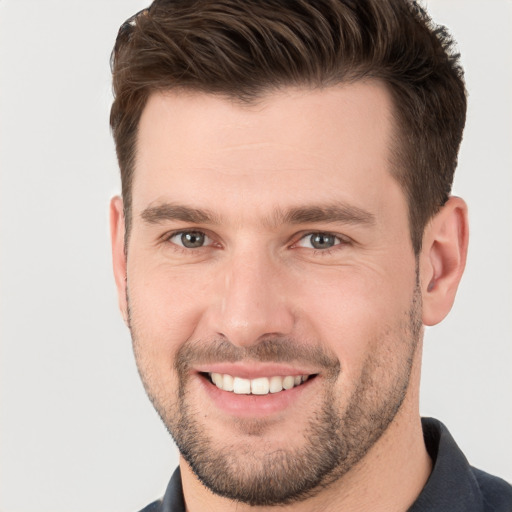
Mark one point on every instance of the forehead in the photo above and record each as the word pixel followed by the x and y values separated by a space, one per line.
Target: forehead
pixel 329 144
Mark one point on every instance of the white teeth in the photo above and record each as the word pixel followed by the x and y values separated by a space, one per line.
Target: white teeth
pixel 288 382
pixel 241 386
pixel 258 386
pixel 227 382
pixel 276 384
pixel 217 379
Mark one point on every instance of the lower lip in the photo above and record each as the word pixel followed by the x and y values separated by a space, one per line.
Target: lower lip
pixel 253 405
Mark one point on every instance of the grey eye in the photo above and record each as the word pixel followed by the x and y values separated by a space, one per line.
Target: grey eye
pixel 322 240
pixel 190 239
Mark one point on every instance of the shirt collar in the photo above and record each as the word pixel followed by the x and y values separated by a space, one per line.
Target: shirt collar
pixel 452 486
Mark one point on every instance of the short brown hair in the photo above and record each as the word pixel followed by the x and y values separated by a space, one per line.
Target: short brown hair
pixel 243 49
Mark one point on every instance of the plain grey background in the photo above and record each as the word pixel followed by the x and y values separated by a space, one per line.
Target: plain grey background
pixel 77 433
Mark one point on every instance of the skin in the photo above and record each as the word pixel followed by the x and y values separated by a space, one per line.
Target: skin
pixel 258 278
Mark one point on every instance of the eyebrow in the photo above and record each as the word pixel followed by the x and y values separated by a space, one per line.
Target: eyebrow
pixel 169 211
pixel 337 212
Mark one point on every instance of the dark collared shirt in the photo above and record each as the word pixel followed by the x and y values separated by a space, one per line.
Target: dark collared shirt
pixel 453 485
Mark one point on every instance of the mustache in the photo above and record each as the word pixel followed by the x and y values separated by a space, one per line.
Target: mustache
pixel 274 349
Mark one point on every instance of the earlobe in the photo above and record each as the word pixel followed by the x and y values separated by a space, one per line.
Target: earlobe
pixel 117 234
pixel 443 258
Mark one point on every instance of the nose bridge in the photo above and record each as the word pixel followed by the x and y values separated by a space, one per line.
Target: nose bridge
pixel 253 299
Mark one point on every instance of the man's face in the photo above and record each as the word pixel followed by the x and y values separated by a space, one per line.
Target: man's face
pixel 269 245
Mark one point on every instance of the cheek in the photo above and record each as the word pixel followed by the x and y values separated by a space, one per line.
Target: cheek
pixel 165 307
pixel 355 311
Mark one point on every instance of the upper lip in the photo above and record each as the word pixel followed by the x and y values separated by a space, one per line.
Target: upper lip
pixel 253 370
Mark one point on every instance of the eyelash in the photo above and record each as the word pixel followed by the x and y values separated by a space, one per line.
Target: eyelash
pixel 338 239
pixel 342 241
pixel 186 250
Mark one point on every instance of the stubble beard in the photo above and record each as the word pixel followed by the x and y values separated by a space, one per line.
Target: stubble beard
pixel 333 442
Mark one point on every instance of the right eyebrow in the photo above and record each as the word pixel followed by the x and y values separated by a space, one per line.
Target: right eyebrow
pixel 168 211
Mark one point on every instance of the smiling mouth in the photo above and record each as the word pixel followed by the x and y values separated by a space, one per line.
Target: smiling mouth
pixel 258 386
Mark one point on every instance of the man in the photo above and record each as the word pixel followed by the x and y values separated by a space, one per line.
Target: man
pixel 285 231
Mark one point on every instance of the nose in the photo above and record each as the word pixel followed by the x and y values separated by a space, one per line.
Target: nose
pixel 252 303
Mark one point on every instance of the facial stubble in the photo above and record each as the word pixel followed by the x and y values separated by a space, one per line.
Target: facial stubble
pixel 333 442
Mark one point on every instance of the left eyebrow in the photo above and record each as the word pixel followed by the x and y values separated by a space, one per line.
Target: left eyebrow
pixel 343 213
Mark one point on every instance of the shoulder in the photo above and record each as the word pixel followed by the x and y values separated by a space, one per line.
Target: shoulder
pixel 156 506
pixel 454 485
pixel 173 499
pixel 496 492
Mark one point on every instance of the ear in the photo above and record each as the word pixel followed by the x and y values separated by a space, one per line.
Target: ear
pixel 443 258
pixel 117 233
